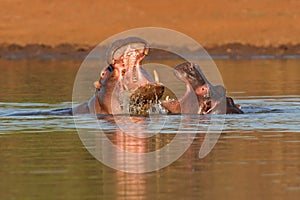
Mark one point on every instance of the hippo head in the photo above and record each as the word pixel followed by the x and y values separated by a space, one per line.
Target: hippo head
pixel 134 90
pixel 211 99
pixel 106 88
pixel 127 54
pixel 191 74
pixel 232 108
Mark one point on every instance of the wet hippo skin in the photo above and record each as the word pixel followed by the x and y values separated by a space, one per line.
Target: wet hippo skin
pixel 123 80
pixel 210 99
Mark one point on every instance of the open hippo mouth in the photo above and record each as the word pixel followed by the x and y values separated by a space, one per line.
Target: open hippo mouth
pixel 140 90
pixel 210 99
pixel 214 101
pixel 209 96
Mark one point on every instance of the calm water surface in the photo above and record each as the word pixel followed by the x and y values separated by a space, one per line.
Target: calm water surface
pixel 256 157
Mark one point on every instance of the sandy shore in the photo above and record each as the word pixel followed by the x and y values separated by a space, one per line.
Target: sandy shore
pixel 223 27
pixel 68 51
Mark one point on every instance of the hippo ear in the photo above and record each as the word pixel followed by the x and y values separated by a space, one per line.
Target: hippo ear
pixel 97 85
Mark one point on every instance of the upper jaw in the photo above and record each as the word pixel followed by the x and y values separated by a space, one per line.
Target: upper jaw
pixel 210 100
pixel 181 75
pixel 118 47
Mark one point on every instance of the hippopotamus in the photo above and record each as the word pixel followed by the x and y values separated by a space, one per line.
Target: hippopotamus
pixel 124 86
pixel 232 108
pixel 209 99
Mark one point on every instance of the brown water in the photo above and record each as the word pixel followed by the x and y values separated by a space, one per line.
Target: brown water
pixel 256 157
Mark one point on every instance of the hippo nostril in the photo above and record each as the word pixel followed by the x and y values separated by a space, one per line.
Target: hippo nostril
pixel 123 72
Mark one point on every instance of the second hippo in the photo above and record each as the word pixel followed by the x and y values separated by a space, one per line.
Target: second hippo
pixel 209 99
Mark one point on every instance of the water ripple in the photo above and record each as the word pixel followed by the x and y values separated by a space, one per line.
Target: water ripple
pixel 267 114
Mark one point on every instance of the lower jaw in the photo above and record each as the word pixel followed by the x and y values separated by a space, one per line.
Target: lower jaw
pixel 211 108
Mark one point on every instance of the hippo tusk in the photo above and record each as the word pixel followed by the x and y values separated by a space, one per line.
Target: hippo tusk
pixel 146 51
pixel 211 109
pixel 125 87
pixel 156 78
pixel 200 110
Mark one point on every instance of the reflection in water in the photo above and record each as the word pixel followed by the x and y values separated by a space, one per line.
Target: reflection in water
pixel 149 148
pixel 256 157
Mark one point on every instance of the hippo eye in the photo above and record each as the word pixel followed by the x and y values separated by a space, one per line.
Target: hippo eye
pixel 110 68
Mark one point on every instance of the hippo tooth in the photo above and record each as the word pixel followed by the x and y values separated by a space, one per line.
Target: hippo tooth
pixel 125 87
pixel 156 78
pixel 211 109
pixel 200 110
pixel 167 98
pixel 146 51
